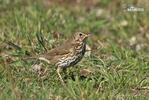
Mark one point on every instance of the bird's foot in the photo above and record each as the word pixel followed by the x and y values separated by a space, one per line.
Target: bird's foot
pixel 60 77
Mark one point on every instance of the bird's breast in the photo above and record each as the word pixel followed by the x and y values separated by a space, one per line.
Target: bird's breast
pixel 73 57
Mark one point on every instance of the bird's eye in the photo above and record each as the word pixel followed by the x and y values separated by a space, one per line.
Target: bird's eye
pixel 80 34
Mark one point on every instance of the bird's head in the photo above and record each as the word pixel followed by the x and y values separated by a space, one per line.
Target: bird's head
pixel 80 36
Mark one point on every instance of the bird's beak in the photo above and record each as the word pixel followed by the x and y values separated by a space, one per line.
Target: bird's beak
pixel 89 35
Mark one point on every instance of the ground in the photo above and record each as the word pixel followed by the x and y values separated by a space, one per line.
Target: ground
pixel 117 68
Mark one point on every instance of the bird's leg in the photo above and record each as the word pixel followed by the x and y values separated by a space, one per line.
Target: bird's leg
pixel 58 72
pixel 45 71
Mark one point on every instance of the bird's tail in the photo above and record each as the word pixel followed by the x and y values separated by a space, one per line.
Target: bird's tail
pixel 34 57
pixel 37 57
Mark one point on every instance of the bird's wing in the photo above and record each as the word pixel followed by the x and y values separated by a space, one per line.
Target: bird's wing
pixel 54 54
pixel 61 50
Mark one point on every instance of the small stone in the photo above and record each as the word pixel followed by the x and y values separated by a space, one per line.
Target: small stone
pixel 132 40
pixel 139 47
pixel 123 23
pixel 99 12
pixel 80 19
pixel 86 72
pixel 36 67
pixel 51 41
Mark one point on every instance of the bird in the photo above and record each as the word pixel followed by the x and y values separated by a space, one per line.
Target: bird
pixel 66 55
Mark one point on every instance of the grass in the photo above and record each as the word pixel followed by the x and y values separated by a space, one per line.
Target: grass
pixel 118 62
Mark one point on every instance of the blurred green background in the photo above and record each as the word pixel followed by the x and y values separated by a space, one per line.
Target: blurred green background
pixel 116 68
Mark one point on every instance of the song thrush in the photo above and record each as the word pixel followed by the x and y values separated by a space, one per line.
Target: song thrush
pixel 68 54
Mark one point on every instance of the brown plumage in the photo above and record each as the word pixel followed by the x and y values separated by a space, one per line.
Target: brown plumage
pixel 68 54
